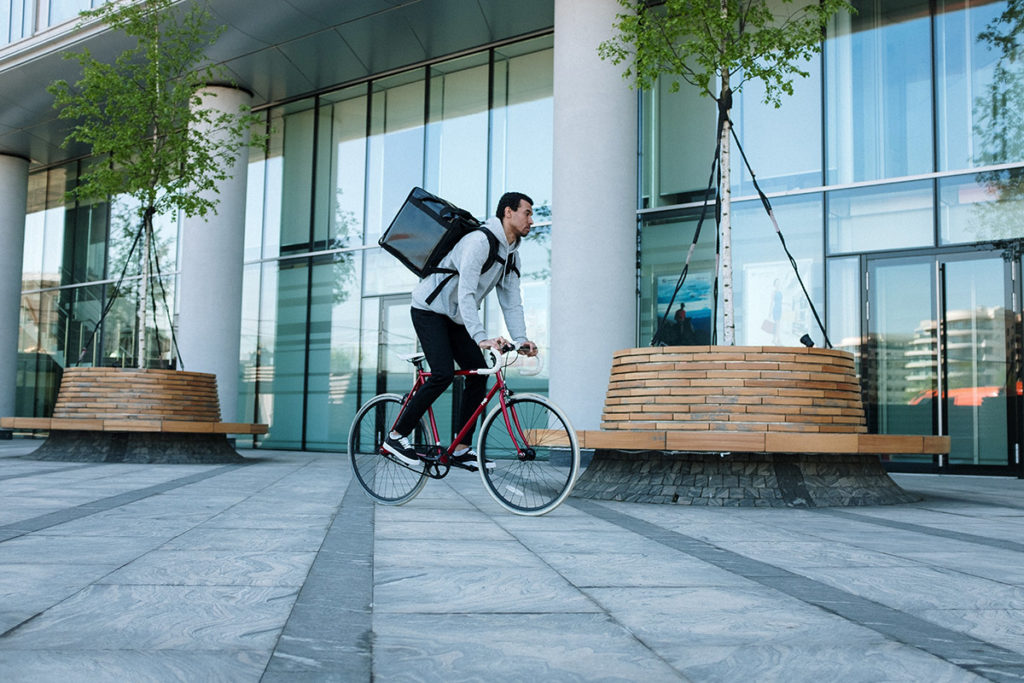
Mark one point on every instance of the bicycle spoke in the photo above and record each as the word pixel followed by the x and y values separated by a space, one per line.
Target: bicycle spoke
pixel 536 476
pixel 383 477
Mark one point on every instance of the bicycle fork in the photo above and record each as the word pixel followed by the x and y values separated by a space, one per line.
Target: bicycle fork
pixel 524 452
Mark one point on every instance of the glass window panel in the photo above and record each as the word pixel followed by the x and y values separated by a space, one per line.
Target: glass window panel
pixel 456 152
pixel 982 207
pixel 683 143
pixel 118 338
pixel 274 174
pixel 332 395
pixel 395 148
pixel 384 274
pixel 874 218
pixel 784 144
pixel 369 333
pixel 38 373
pixel 296 179
pixel 256 184
pixel 521 124
pixel 770 306
pixel 878 91
pixel 665 242
pixel 35 228
pixel 53 230
pixel 341 174
pixel 980 88
pixel 286 358
pixel 844 305
pixel 62 10
pixel 250 352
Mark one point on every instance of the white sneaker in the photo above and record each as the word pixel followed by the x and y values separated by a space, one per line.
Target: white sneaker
pixel 402 450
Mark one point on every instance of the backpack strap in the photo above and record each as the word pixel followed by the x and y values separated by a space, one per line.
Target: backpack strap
pixel 511 266
pixel 444 281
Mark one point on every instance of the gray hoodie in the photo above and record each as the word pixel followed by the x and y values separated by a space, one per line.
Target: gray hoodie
pixel 461 298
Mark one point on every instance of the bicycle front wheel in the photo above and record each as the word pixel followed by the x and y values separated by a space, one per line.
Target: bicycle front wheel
pixel 533 453
pixel 382 476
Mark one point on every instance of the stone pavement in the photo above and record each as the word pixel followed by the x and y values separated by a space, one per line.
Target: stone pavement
pixel 281 570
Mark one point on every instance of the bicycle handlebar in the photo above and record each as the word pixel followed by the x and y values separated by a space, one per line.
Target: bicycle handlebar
pixel 494 360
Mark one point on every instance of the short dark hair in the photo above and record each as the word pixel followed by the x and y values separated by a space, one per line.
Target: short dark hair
pixel 511 200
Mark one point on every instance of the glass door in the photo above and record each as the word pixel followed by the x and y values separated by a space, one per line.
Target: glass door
pixel 939 356
pixel 395 337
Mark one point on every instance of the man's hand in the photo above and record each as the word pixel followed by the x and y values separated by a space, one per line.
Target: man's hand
pixel 499 344
pixel 528 348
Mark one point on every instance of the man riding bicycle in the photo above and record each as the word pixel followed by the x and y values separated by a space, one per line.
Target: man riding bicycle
pixel 446 315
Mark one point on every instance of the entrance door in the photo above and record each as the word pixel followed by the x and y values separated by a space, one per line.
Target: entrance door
pixel 938 358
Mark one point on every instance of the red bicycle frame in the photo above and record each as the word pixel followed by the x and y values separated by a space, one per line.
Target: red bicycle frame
pixel 499 386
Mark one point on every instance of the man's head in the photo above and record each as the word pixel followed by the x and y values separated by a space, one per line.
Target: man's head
pixel 515 211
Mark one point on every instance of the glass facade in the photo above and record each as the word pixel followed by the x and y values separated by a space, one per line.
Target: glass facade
pixel 23 18
pixel 325 311
pixel 895 171
pixel 894 168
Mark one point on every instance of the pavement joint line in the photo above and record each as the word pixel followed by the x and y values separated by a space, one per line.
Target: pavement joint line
pixel 959 649
pixel 51 519
pixel 999 543
pixel 43 473
pixel 329 631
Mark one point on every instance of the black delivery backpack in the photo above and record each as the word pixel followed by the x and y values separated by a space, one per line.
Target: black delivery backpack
pixel 424 230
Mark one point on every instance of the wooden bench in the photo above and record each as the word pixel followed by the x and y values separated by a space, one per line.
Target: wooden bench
pixel 757 405
pixel 179 411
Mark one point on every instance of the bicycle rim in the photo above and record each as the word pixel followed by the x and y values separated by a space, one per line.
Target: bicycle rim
pixel 536 481
pixel 384 478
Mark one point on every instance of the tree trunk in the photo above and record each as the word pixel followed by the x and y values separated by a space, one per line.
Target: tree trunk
pixel 147 228
pixel 728 316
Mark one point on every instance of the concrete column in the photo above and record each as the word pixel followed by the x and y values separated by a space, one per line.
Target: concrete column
pixel 593 236
pixel 210 288
pixel 13 197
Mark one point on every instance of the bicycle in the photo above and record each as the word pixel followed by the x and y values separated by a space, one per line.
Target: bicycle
pixel 528 460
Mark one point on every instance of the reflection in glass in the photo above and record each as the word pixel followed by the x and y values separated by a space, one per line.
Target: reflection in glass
pixel 62 10
pixel 844 305
pixel 878 92
pixel 901 349
pixel 394 149
pixel 771 308
pixel 521 122
pixel 341 163
pixel 982 207
pixel 874 218
pixel 967 94
pixel 331 395
pixel 285 358
pixel 664 244
pixel 457 128
pixel 296 178
pixel 976 323
pixel 998 103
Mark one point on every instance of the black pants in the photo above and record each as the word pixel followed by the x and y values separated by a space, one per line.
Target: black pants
pixel 444 343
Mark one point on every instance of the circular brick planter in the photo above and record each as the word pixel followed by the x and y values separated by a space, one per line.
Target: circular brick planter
pixel 137 416
pixel 787 404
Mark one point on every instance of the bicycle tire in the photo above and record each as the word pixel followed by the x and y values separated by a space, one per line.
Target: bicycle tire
pixel 383 477
pixel 537 484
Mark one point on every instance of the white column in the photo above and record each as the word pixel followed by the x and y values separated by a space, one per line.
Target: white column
pixel 210 289
pixel 13 197
pixel 593 236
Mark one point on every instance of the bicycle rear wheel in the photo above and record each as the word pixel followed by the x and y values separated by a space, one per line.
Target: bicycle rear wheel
pixel 534 454
pixel 381 475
